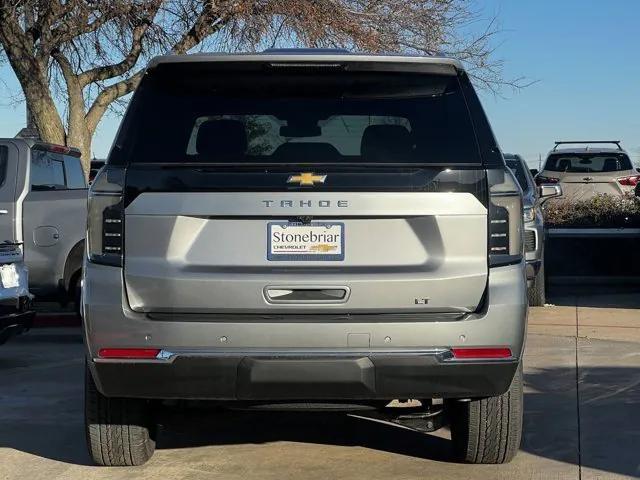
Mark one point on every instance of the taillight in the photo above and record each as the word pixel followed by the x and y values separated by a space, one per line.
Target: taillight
pixel 505 218
pixel 540 179
pixel 105 222
pixel 630 181
pixel 479 353
pixel 129 353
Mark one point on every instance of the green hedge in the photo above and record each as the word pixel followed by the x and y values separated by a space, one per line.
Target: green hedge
pixel 604 211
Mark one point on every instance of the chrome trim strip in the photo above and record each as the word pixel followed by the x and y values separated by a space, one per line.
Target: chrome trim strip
pixel 168 355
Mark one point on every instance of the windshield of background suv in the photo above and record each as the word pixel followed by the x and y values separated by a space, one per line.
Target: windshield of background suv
pixel 518 171
pixel 289 117
pixel 588 162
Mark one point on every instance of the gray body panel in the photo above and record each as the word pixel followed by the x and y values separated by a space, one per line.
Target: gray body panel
pixel 54 222
pixel 207 252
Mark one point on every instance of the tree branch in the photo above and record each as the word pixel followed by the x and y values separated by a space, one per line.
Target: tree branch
pixel 108 95
pixel 115 70
pixel 208 22
pixel 105 72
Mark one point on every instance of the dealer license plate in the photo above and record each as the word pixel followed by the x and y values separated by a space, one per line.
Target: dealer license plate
pixel 305 242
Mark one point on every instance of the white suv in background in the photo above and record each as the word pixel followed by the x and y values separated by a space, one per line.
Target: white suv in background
pixel 588 171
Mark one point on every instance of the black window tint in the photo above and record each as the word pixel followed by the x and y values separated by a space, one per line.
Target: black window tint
pixel 74 172
pixel 294 117
pixel 518 170
pixel 47 171
pixel 588 162
pixel 4 158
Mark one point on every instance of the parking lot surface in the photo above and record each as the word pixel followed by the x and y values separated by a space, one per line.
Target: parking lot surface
pixel 582 415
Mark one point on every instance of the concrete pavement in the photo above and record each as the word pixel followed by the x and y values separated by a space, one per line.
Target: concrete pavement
pixel 582 418
pixel 595 312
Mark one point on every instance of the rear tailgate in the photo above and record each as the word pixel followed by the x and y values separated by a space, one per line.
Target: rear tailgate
pixel 386 155
pixel 404 251
pixel 576 186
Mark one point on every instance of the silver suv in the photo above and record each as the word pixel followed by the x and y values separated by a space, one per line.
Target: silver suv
pixel 306 229
pixel 43 210
pixel 532 200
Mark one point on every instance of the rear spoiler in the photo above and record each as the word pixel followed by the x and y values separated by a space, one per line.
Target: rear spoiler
pixel 564 142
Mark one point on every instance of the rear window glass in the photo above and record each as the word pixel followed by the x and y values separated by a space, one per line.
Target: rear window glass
pixel 518 170
pixel 4 158
pixel 287 118
pixel 588 163
pixel 55 171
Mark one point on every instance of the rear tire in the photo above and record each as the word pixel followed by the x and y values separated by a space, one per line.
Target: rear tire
pixel 536 292
pixel 120 431
pixel 488 430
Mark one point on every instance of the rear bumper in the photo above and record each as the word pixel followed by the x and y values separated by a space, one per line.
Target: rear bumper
pixel 358 377
pixel 238 357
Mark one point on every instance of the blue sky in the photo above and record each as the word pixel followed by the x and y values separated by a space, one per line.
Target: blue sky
pixel 583 55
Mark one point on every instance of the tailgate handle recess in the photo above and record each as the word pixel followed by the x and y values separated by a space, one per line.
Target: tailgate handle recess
pixel 306 294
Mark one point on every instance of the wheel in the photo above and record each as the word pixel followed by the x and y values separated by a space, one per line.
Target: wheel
pixel 488 430
pixel 120 431
pixel 536 292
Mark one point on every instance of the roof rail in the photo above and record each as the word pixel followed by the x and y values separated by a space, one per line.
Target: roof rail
pixel 564 142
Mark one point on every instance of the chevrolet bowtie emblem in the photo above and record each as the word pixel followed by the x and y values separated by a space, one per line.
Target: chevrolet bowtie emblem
pixel 307 179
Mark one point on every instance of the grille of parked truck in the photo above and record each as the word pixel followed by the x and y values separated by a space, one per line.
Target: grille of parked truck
pixel 305 229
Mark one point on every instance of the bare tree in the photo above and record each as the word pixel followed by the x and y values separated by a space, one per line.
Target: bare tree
pixel 76 58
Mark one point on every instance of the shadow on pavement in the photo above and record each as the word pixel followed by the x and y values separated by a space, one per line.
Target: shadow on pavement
pixel 51 427
pixel 596 296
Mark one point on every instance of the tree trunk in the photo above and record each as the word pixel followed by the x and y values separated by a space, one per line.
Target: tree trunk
pixel 80 137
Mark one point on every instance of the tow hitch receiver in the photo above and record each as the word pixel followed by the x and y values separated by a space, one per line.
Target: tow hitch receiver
pixel 425 418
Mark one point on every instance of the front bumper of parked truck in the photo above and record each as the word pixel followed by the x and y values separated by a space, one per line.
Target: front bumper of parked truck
pixel 332 357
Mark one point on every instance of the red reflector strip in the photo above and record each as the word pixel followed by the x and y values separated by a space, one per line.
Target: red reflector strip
pixel 138 353
pixel 481 353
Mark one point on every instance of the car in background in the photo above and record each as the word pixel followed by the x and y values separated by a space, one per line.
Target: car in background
pixel 43 208
pixel 96 165
pixel 585 172
pixel 532 198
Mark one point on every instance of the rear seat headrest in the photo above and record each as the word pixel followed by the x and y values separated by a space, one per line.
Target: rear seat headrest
pixel 222 139
pixel 382 143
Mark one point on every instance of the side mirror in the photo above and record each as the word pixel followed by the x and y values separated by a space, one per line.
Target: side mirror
pixel 534 171
pixel 549 190
pixel 638 170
